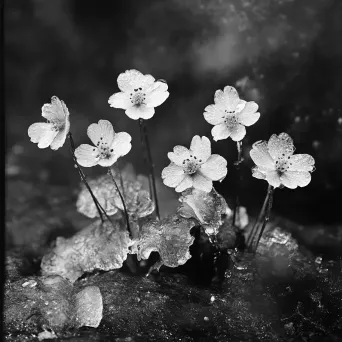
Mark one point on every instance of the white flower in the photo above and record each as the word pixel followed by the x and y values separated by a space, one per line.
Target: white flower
pixel 109 146
pixel 230 115
pixel 195 167
pixel 277 164
pixel 139 94
pixel 54 132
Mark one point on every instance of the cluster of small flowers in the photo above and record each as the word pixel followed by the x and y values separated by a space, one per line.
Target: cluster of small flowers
pixel 139 95
pixel 189 168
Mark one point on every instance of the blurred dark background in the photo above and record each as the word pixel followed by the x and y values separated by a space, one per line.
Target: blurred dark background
pixel 284 54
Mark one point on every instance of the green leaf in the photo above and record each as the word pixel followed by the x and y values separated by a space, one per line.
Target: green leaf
pixel 207 208
pixel 169 237
pixel 138 201
pixel 98 246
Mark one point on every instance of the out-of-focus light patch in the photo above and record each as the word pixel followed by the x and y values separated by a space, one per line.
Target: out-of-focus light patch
pixel 249 89
pixel 316 144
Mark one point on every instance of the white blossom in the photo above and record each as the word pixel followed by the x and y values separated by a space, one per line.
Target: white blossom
pixel 195 167
pixel 276 163
pixel 230 115
pixel 109 146
pixel 52 133
pixel 139 95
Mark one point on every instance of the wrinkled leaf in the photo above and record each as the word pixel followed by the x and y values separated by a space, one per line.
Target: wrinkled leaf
pixel 99 246
pixel 207 208
pixel 169 237
pixel 137 200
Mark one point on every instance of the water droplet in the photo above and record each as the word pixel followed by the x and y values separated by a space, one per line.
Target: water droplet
pixel 318 260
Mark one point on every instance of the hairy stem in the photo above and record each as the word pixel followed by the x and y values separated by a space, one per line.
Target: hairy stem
pixel 152 181
pixel 99 208
pixel 238 180
pixel 123 202
pixel 264 216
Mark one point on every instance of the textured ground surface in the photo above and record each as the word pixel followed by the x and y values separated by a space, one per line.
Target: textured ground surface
pixel 286 293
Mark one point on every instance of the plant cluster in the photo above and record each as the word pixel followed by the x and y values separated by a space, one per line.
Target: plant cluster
pixel 191 171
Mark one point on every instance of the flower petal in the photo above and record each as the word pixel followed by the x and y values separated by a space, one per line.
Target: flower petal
pixel 59 139
pixel 87 155
pixel 121 144
pixel 202 183
pixel 215 168
pixel 201 147
pixel 186 183
pixel 301 162
pixel 56 110
pixel 47 138
pixel 179 154
pixel 173 180
pixel 172 170
pixel 133 79
pixel 280 146
pixel 227 99
pixel 160 86
pixel 257 173
pixel 173 175
pixel 141 112
pixel 214 114
pixel 106 162
pixel 120 100
pixel 238 132
pixel 37 130
pixel 221 132
pixel 101 133
pixel 292 179
pixel 260 155
pixel 248 115
pixel 156 97
pixel 273 178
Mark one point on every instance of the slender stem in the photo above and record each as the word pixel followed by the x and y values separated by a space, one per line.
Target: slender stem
pixel 145 158
pixel 122 200
pixel 143 132
pixel 257 222
pixel 267 217
pixel 237 165
pixel 84 180
pixel 264 213
pixel 121 179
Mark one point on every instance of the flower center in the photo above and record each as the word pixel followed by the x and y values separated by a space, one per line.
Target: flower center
pixel 57 125
pixel 137 97
pixel 103 149
pixel 191 165
pixel 230 118
pixel 283 164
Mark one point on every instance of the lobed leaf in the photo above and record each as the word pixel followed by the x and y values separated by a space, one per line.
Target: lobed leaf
pixel 99 246
pixel 169 237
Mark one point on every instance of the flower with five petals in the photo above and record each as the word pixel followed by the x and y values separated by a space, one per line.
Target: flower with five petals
pixel 230 115
pixel 195 167
pixel 139 95
pixel 54 132
pixel 109 146
pixel 276 163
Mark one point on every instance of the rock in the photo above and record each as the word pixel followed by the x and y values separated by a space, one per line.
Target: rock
pixel 46 335
pixel 89 307
pixel 35 302
pixel 50 303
